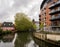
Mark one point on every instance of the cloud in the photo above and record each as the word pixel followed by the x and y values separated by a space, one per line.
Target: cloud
pixel 8 9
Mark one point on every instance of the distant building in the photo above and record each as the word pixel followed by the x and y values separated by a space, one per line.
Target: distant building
pixel 36 23
pixel 7 26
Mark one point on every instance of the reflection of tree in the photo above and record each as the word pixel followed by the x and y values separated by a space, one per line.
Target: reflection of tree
pixel 0 38
pixel 22 39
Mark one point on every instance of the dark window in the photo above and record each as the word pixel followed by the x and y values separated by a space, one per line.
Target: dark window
pixel 49 1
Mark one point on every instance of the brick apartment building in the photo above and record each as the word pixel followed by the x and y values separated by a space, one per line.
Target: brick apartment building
pixel 50 15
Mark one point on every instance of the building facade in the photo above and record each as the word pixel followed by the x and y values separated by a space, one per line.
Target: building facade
pixel 44 16
pixel 7 26
pixel 49 15
pixel 55 15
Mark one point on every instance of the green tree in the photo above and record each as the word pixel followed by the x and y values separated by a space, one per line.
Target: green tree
pixel 34 27
pixel 41 26
pixel 22 22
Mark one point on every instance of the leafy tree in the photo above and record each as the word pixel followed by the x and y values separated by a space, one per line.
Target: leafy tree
pixel 22 22
pixel 41 26
pixel 34 27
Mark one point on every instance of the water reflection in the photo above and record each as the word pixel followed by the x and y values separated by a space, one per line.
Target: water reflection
pixel 31 44
pixel 25 40
pixel 7 40
pixel 42 43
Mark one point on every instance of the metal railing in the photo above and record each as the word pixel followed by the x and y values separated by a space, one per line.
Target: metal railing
pixel 55 4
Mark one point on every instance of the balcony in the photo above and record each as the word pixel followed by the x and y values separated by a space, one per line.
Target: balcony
pixel 55 5
pixel 55 18
pixel 56 25
pixel 54 11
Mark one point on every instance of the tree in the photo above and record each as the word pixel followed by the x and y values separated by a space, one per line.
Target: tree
pixel 34 27
pixel 22 22
pixel 41 26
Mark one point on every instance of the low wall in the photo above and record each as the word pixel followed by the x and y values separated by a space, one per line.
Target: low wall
pixel 53 37
pixel 40 36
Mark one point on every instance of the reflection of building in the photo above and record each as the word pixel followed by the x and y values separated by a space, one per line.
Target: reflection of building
pixel 50 14
pixel 7 26
pixel 8 38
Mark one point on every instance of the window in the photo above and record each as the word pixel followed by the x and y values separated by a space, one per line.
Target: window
pixel 4 24
pixel 58 8
pixel 44 14
pixel 9 24
pixel 58 14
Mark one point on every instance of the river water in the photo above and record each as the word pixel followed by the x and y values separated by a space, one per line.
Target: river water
pixel 17 40
pixel 23 39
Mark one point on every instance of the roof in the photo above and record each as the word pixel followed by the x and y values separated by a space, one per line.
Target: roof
pixel 7 24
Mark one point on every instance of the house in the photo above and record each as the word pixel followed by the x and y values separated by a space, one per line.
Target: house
pixel 7 26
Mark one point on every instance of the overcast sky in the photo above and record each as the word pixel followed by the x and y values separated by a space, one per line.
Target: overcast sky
pixel 8 9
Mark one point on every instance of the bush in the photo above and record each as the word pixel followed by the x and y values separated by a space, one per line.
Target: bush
pixel 7 32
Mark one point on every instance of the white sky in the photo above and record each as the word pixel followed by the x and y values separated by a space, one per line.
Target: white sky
pixel 8 9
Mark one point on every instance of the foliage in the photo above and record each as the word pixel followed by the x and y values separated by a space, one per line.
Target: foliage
pixel 58 41
pixel 6 32
pixel 22 22
pixel 34 27
pixel 22 39
pixel 41 26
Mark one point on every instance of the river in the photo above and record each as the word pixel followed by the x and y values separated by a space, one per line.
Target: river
pixel 23 39
pixel 18 40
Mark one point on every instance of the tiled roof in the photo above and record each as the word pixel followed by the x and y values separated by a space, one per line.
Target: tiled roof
pixel 7 24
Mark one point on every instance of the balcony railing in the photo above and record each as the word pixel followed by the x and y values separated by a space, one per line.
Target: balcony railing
pixel 52 12
pixel 57 25
pixel 55 4
pixel 55 18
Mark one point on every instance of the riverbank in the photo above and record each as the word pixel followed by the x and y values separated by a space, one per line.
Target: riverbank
pixel 50 38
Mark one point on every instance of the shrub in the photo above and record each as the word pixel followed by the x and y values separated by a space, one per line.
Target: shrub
pixel 7 32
